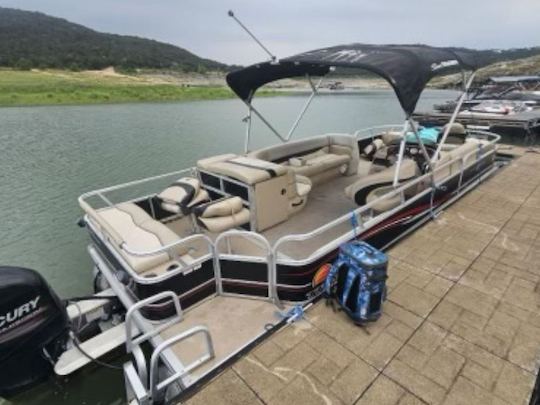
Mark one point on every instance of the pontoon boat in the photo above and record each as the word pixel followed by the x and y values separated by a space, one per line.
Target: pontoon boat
pixel 209 260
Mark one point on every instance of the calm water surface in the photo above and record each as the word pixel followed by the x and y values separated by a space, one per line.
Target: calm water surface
pixel 51 155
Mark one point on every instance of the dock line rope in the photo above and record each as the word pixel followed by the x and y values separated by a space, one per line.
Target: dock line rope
pixel 89 357
pixel 292 315
pixel 354 223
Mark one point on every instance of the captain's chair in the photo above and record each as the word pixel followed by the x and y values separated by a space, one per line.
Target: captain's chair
pixel 182 196
pixel 456 136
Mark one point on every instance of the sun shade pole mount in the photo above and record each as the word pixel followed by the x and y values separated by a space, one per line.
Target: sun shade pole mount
pixel 453 117
pixel 231 14
pixel 401 151
pixel 314 90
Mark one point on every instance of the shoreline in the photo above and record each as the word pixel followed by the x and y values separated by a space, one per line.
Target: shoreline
pixel 61 87
pixel 35 87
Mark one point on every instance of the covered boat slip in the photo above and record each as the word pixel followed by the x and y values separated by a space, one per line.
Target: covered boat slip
pixel 524 124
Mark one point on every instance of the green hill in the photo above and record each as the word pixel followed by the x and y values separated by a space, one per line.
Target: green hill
pixel 35 40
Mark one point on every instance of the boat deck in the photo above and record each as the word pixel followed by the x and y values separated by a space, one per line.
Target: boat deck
pixel 326 202
pixel 231 321
pixel 461 324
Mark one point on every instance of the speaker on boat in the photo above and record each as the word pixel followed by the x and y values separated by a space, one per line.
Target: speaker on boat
pixel 33 329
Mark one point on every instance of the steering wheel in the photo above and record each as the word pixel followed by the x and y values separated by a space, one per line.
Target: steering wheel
pixel 412 151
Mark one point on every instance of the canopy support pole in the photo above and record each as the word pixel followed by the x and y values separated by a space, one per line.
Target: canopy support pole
pixel 265 49
pixel 247 119
pixel 401 151
pixel 453 117
pixel 314 89
pixel 265 121
pixel 420 143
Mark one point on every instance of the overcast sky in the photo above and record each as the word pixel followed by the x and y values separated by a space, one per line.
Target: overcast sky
pixel 292 26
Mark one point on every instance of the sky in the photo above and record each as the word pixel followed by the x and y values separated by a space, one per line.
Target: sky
pixel 287 27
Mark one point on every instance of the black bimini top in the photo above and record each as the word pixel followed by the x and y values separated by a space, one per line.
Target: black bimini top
pixel 408 68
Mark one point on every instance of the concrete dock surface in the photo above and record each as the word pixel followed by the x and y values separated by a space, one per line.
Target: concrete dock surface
pixel 461 324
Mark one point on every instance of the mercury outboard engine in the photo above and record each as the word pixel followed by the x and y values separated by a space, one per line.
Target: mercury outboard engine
pixel 33 329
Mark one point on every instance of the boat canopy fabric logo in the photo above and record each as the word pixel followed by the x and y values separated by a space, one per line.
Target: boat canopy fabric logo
pixel 443 64
pixel 342 55
pixel 345 55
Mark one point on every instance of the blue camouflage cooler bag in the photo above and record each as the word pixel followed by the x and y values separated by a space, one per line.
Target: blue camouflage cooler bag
pixel 357 281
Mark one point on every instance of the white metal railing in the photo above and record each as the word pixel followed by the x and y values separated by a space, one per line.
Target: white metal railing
pixel 155 385
pixel 131 343
pixel 151 382
pixel 363 215
pixel 360 213
pixel 185 267
pixel 269 260
pixel 100 192
pixel 109 233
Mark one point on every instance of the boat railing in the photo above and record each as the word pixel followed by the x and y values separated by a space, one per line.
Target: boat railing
pixel 188 240
pixel 154 299
pixel 185 267
pixel 268 259
pixel 362 218
pixel 147 384
pixel 103 192
pixel 359 220
pixel 156 386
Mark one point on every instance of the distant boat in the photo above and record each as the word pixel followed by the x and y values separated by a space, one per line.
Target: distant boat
pixel 525 89
pixel 336 86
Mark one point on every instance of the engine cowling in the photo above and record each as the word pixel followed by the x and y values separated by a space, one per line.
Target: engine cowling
pixel 34 328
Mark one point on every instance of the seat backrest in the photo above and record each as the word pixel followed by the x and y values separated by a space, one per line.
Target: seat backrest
pixel 282 152
pixel 346 144
pixel 339 144
pixel 359 190
pixel 248 170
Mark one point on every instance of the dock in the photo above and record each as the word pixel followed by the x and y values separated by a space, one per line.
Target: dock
pixel 461 324
pixel 525 124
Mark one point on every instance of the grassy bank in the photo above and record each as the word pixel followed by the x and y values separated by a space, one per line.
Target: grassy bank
pixel 19 88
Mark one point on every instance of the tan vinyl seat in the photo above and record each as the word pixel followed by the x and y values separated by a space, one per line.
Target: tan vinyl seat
pixel 223 214
pixel 360 191
pixel 138 231
pixel 311 166
pixel 247 170
pixel 182 196
pixel 456 135
pixel 298 199
pixel 320 158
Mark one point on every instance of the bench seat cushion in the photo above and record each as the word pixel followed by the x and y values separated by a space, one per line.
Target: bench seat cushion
pixel 245 169
pixel 140 232
pixel 321 164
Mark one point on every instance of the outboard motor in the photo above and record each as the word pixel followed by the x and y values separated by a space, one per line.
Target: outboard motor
pixel 33 329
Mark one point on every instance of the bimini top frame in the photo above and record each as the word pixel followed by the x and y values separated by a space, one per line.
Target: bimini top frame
pixel 408 69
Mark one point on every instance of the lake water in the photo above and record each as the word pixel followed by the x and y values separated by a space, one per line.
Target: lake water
pixel 51 155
